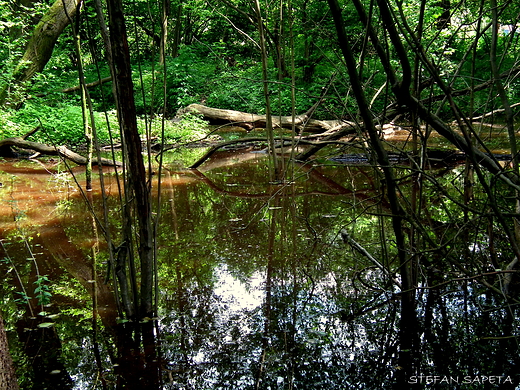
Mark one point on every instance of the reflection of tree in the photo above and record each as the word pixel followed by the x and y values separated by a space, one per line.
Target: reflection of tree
pixel 311 175
pixel 249 345
pixel 49 370
pixel 332 317
pixel 136 360
pixel 267 306
pixel 75 263
pixel 323 312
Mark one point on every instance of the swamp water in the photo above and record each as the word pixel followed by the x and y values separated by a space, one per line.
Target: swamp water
pixel 258 289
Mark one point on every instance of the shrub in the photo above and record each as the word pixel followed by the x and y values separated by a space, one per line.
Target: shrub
pixel 61 124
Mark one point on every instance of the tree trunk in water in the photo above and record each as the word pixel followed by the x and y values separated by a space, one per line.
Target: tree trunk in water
pixel 408 332
pixel 269 119
pixel 7 375
pixel 134 160
pixel 40 46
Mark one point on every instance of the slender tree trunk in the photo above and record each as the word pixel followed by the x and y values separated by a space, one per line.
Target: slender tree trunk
pixel 408 324
pixel 505 103
pixel 177 31
pixel 137 179
pixel 87 129
pixel 164 30
pixel 265 77
pixel 308 67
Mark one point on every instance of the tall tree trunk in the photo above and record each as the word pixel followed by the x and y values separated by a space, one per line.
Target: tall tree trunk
pixel 40 46
pixel 137 180
pixel 509 116
pixel 7 375
pixel 85 98
pixel 265 77
pixel 177 31
pixel 408 336
pixel 166 6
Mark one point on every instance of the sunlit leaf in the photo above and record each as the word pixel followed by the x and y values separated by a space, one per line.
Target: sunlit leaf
pixel 45 324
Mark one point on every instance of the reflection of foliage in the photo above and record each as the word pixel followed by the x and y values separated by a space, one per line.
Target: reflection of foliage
pixel 75 291
pixel 330 315
pixel 63 206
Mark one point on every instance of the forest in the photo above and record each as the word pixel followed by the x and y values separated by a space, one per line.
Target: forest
pixel 236 194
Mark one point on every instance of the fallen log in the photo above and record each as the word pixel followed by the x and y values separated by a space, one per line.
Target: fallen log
pixel 302 123
pixel 78 87
pixel 62 151
pixel 88 85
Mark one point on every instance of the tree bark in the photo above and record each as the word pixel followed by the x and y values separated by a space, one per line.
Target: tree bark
pixel 8 379
pixel 249 121
pixel 41 44
pixel 166 6
pixel 177 31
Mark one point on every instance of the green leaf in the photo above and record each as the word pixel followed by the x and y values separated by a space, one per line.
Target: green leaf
pixel 45 324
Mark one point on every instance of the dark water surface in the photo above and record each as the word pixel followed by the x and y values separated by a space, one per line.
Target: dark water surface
pixel 258 289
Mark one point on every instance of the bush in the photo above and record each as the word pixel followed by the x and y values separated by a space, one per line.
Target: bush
pixel 190 127
pixel 61 124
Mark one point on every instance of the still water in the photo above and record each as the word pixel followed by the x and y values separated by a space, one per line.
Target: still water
pixel 257 286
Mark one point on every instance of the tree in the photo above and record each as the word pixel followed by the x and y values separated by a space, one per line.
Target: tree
pixel 408 327
pixel 404 79
pixel 136 189
pixel 41 44
pixel 7 375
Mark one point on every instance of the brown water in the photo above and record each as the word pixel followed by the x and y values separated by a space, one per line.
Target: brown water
pixel 220 228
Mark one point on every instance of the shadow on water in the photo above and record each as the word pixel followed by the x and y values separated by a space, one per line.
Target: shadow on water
pixel 259 286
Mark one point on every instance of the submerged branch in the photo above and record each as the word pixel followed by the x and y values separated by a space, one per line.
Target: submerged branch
pixel 347 239
pixel 335 188
pixel 215 148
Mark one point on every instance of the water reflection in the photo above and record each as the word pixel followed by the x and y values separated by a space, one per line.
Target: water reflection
pixel 258 288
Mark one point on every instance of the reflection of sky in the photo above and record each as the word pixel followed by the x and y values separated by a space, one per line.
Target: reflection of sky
pixel 236 294
pixel 507 28
pixel 212 331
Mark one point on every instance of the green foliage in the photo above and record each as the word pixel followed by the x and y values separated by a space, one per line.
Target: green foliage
pixel 203 73
pixel 14 29
pixel 61 123
pixel 242 90
pixel 219 65
pixel 188 128
pixel 23 298
pixel 42 290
